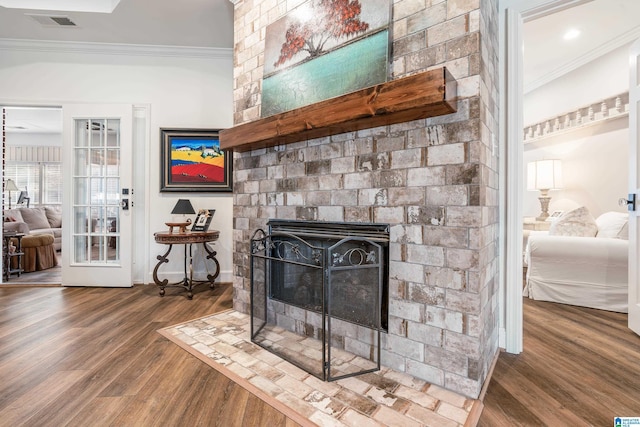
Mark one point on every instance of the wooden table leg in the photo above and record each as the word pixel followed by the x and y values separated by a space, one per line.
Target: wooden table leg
pixel 211 254
pixel 161 260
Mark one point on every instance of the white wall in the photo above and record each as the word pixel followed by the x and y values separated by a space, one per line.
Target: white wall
pixel 189 89
pixel 595 81
pixel 594 159
pixel 594 167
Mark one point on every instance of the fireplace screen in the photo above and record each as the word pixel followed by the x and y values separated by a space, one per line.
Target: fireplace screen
pixel 317 296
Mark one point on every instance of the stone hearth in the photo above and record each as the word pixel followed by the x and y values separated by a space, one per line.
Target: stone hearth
pixel 383 398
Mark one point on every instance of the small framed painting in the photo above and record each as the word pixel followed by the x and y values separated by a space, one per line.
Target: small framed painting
pixel 203 220
pixel 191 160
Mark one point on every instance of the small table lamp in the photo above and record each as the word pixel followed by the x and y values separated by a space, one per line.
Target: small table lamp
pixel 10 186
pixel 544 175
pixel 183 207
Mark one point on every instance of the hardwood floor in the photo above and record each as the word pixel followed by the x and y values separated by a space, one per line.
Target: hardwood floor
pixel 50 276
pixel 580 367
pixel 92 356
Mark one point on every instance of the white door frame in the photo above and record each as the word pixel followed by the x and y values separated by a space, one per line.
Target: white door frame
pixel 512 184
pixel 512 16
pixel 141 181
pixel 141 196
pixel 633 321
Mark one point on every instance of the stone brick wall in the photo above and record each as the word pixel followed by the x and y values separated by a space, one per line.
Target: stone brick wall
pixel 434 180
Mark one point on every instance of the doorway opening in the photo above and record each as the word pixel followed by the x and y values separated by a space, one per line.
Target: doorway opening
pixel 33 196
pixel 585 67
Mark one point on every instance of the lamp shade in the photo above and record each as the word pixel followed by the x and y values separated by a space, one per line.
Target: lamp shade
pixel 183 207
pixel 544 175
pixel 9 185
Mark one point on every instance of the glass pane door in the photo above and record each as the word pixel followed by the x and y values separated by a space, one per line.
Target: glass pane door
pixel 96 192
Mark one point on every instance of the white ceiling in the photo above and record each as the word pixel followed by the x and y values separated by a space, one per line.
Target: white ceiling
pixel 103 6
pixel 195 23
pixel 33 120
pixel 175 23
pixel 604 24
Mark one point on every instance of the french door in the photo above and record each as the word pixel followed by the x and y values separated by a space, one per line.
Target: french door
pixel 97 225
pixel 634 187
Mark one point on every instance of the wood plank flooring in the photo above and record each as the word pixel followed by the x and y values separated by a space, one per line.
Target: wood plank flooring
pixel 92 357
pixel 580 367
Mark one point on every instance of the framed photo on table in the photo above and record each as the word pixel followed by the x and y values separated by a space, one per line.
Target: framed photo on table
pixel 203 220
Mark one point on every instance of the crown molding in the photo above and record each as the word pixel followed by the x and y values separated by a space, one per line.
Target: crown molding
pixel 115 49
pixel 598 112
pixel 548 8
pixel 593 54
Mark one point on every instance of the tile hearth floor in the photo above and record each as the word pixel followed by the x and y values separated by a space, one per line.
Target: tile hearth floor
pixel 308 352
pixel 382 398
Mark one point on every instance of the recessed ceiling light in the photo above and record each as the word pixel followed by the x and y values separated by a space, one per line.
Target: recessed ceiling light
pixel 571 34
pixel 96 6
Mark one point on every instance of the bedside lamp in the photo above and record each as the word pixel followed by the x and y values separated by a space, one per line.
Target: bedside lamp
pixel 544 175
pixel 10 186
pixel 182 207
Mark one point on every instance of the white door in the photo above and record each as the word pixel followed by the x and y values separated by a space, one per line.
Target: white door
pixel 634 187
pixel 96 241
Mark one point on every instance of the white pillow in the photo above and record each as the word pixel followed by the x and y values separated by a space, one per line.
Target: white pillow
pixel 610 224
pixel 624 232
pixel 577 222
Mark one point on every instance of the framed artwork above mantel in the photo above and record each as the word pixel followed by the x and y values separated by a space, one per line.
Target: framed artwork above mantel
pixel 323 49
pixel 192 161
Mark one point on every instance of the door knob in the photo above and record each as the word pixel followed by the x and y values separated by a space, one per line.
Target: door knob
pixel 630 203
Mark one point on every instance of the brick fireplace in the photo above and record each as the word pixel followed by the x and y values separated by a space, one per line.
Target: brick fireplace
pixel 434 180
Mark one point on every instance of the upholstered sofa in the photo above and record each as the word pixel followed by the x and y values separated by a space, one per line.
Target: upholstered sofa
pixel 43 220
pixel 581 261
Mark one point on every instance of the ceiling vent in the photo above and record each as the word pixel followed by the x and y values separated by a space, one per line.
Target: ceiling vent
pixel 53 20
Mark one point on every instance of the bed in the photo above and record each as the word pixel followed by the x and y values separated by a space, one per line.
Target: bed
pixel 577 270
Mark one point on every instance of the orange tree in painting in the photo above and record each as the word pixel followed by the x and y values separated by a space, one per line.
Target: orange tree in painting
pixel 332 19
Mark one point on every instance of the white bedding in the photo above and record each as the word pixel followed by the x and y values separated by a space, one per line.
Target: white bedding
pixel 583 271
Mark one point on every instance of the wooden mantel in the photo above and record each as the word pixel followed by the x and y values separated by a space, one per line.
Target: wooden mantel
pixel 428 94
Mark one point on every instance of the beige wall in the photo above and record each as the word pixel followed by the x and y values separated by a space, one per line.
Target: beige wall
pixel 182 89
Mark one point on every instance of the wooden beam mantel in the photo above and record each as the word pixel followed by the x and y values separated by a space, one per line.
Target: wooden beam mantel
pixel 428 94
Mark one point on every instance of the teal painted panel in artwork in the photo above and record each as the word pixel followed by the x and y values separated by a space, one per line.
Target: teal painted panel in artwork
pixel 355 66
